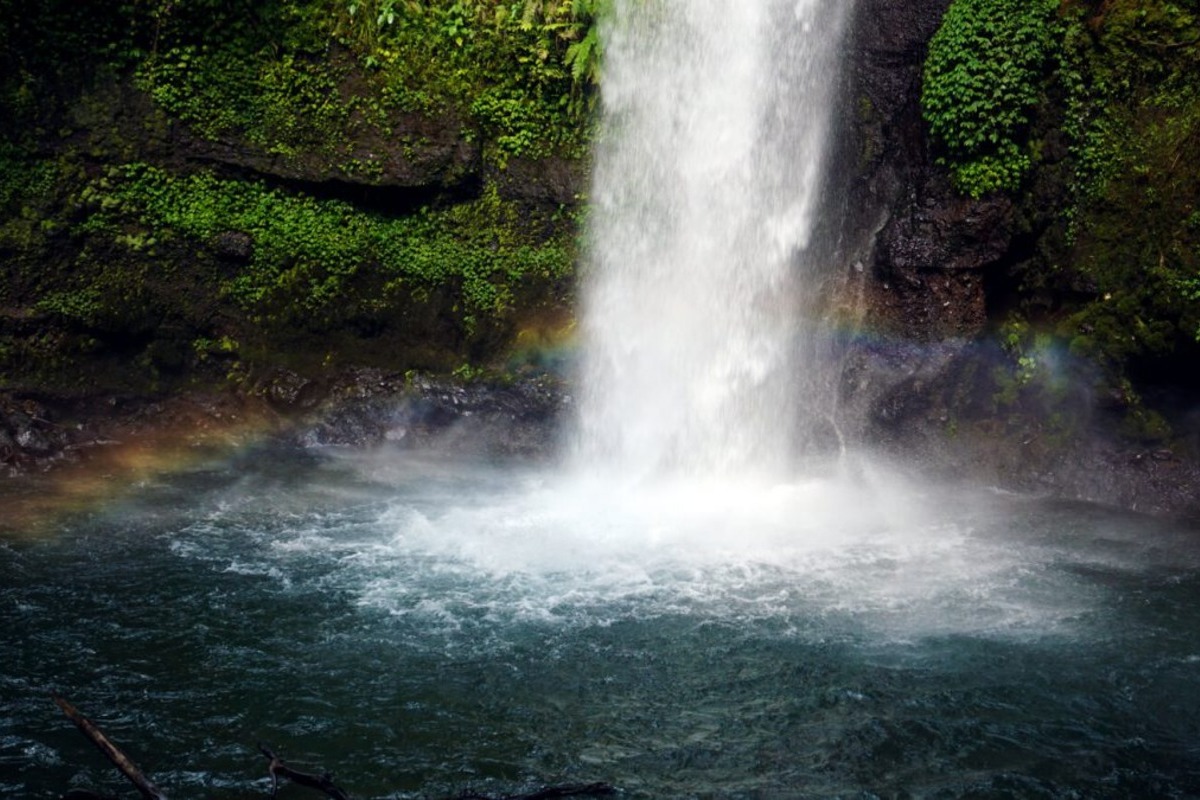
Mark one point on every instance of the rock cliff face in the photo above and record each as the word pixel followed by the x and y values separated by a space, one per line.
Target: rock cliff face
pixel 932 248
pixel 928 271
pixel 105 328
pixel 94 279
pixel 923 381
pixel 426 156
pixel 421 159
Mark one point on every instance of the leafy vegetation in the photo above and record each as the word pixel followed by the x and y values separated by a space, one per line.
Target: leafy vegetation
pixel 98 242
pixel 23 181
pixel 110 257
pixel 983 78
pixel 290 76
pixel 1134 79
pixel 1103 101
pixel 311 258
pixel 518 73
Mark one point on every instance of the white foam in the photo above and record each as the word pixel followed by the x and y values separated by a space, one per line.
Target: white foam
pixel 584 552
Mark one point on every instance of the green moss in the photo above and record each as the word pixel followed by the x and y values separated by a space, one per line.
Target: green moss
pixel 282 103
pixel 81 306
pixel 518 72
pixel 1136 102
pixel 27 186
pixel 23 179
pixel 120 262
pixel 1101 103
pixel 1037 373
pixel 312 258
pixel 292 77
pixel 1146 426
pixel 522 72
pixel 1131 72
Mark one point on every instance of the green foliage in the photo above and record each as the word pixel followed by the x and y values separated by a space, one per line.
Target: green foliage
pixel 513 124
pixel 294 77
pixel 207 89
pixel 520 72
pixel 23 179
pixel 221 347
pixel 1131 75
pixel 314 260
pixel 81 306
pixel 101 255
pixel 572 29
pixel 1032 367
pixel 28 186
pixel 1007 84
pixel 1132 71
pixel 238 82
pixel 982 78
pixel 467 373
pixel 1002 170
pixel 361 21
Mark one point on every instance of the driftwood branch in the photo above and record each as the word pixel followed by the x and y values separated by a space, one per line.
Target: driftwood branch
pixel 113 753
pixel 324 783
pixel 277 768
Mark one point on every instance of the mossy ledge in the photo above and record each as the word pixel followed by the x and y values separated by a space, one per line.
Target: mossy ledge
pixel 196 192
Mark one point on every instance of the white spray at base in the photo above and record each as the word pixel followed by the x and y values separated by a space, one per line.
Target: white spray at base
pixel 707 181
pixel 703 377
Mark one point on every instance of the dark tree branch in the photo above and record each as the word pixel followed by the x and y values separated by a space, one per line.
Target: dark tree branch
pixel 277 768
pixel 113 753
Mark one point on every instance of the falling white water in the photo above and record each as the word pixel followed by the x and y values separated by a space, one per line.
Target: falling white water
pixel 706 188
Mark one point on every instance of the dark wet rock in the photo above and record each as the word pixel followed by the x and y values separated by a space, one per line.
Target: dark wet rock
pixel 927 248
pixel 951 413
pixel 33 441
pixel 927 388
pixel 370 408
pixel 234 246
pixel 39 434
pixel 421 151
pixel 9 448
pixel 29 438
pixel 286 390
pixel 924 389
pixel 424 152
pixel 931 409
pixel 546 182
pixel 408 162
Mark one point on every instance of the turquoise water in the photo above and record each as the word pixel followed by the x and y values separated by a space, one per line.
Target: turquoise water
pixel 421 626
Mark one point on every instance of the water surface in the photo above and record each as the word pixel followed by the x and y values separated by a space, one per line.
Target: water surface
pixel 420 626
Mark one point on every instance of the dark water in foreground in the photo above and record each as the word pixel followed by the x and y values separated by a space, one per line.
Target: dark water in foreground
pixel 420 628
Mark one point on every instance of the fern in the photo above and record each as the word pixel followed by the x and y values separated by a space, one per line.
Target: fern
pixel 583 58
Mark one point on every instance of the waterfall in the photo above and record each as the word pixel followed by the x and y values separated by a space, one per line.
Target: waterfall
pixel 699 352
